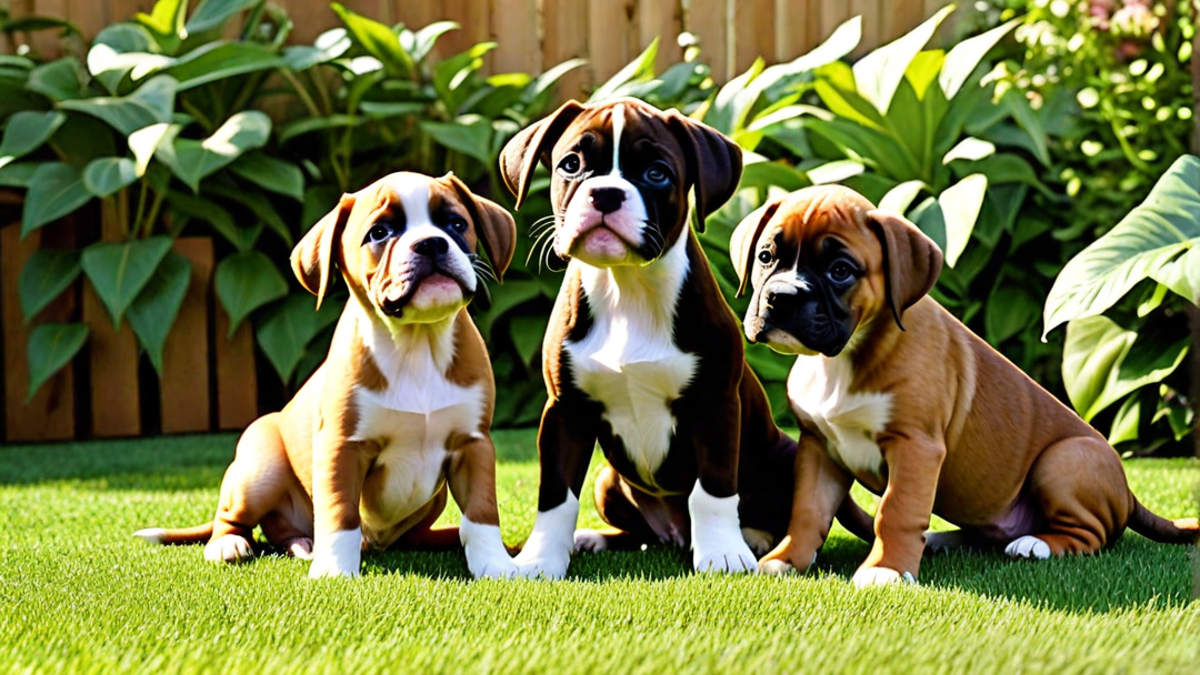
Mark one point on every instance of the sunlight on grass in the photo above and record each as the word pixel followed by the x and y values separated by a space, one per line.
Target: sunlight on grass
pixel 78 592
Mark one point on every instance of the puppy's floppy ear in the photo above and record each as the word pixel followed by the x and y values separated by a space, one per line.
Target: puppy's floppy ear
pixel 714 163
pixel 521 155
pixel 493 224
pixel 315 255
pixel 745 240
pixel 911 260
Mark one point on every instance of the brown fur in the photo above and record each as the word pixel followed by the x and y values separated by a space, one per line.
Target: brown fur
pixel 970 437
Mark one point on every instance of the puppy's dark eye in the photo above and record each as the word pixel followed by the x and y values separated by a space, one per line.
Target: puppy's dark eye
pixel 657 175
pixel 457 224
pixel 378 233
pixel 765 257
pixel 841 271
pixel 569 165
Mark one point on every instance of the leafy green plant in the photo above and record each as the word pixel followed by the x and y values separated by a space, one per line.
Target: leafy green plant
pixel 1122 299
pixel 155 126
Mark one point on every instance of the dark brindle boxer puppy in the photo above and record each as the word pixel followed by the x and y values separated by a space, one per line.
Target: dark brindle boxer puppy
pixel 928 415
pixel 642 352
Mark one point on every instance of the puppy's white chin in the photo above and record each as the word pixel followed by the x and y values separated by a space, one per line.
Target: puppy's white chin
pixel 601 247
pixel 438 298
pixel 785 343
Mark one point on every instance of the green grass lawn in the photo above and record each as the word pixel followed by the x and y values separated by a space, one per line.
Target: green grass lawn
pixel 78 593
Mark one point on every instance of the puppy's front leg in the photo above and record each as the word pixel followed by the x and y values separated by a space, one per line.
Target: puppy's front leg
pixel 821 485
pixel 914 462
pixel 717 542
pixel 473 484
pixel 339 468
pixel 566 440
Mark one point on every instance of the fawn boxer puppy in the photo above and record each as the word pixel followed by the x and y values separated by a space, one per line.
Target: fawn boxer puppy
pixel 402 406
pixel 642 353
pixel 924 413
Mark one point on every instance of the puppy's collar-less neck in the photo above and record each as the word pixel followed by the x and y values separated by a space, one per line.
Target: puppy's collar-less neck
pixel 435 338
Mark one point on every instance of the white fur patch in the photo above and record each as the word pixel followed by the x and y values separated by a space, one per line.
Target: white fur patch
pixel 486 555
pixel 1028 546
pixel 151 535
pixel 230 548
pixel 547 552
pixel 628 361
pixel 589 540
pixel 880 576
pixel 337 554
pixel 412 418
pixel 618 128
pixel 717 543
pixel 819 390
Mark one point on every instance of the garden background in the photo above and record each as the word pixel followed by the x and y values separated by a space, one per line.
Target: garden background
pixel 156 168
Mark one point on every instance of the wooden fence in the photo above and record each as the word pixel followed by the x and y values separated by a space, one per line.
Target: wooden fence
pixel 535 34
pixel 209 382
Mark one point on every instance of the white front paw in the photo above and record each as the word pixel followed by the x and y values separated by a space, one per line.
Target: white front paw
pixel 542 565
pixel 486 555
pixel 1028 547
pixel 777 568
pixel 230 548
pixel 590 540
pixel 717 541
pixel 734 561
pixel 336 555
pixel 880 576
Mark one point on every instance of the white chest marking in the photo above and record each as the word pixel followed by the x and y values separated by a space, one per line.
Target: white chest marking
pixel 412 419
pixel 819 390
pixel 628 360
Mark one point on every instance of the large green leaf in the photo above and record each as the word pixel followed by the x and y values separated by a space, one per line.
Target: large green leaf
pixel 899 198
pixel 47 273
pixel 1103 362
pixel 106 175
pixel 199 208
pixel 764 175
pixel 256 202
pixel 153 102
pixel 52 346
pixel 512 293
pixel 1010 310
pixel 271 174
pixel 26 131
pixel 221 60
pixel 165 21
pixel 59 80
pixel 191 160
pixel 212 14
pixel 117 50
pixel 145 141
pixel 878 74
pixel 153 312
pixel 960 208
pixel 527 333
pixel 469 135
pixel 55 190
pixel 119 271
pixel 246 281
pixel 378 40
pixel 1144 244
pixel 18 175
pixel 450 75
pixel 420 43
pixel 287 328
pixel 638 69
pixel 962 59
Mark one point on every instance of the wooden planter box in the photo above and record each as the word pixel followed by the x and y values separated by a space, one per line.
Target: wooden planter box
pixel 208 382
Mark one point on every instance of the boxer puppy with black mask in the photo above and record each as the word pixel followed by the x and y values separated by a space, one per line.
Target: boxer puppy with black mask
pixel 642 352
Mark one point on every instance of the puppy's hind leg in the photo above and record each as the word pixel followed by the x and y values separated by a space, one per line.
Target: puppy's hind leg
pixel 636 518
pixel 253 486
pixel 1079 486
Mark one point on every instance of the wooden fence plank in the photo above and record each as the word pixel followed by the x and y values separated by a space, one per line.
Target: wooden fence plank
pixel 50 414
pixel 515 30
pixel 709 21
pixel 755 34
pixel 474 16
pixel 872 21
pixel 662 19
pixel 113 358
pixel 184 385
pixel 797 24
pixel 613 36
pixel 565 36
pixel 237 382
pixel 899 17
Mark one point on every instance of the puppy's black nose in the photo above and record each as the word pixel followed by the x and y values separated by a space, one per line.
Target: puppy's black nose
pixel 607 199
pixel 430 246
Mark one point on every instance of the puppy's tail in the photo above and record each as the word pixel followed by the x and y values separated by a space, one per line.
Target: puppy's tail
pixel 186 535
pixel 1156 528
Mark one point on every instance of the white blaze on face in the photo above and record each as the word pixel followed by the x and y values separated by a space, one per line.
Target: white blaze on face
pixel 604 239
pixel 439 296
